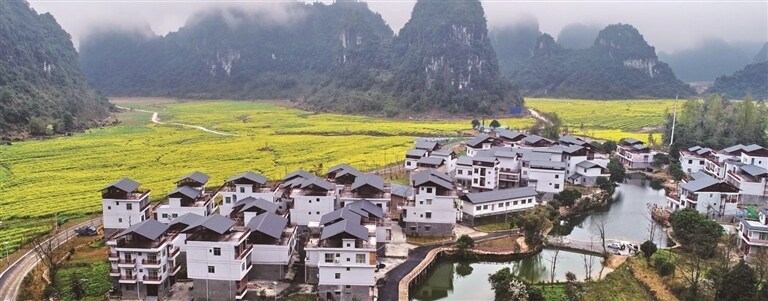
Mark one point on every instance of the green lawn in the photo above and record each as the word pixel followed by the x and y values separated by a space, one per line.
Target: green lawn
pixel 618 285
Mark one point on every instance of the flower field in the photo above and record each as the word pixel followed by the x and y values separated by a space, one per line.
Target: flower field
pixel 63 175
pixel 607 119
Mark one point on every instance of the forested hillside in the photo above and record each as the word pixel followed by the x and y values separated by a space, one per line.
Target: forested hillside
pixel 42 89
pixel 339 57
pixel 752 80
pixel 620 64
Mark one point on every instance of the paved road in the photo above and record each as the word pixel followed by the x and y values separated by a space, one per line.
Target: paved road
pixel 11 278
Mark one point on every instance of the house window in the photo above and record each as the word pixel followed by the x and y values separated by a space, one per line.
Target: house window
pixel 211 269
pixel 478 208
pixel 557 176
pixel 165 215
pixel 242 189
pixel 216 251
pixel 337 275
pixel 485 207
pixel 129 206
pixel 109 207
pixel 359 258
pixel 174 215
pixel 530 201
pixel 119 220
pixel 474 181
pixel 329 257
pixel 348 269
pixel 130 287
pixel 242 267
pixel 408 163
pixel 227 200
pixel 317 212
pixel 514 203
pixel 557 186
pixel 507 204
pixel 429 214
pixel 429 189
pixel 460 171
pixel 427 228
pixel 413 228
pixel 429 201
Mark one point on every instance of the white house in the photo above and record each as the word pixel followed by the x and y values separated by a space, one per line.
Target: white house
pixel 183 200
pixel 218 258
pixel 412 156
pixel 545 176
pixel 509 138
pixel 274 246
pixel 312 197
pixel 753 236
pixel 509 168
pixel 245 185
pixel 535 141
pixel 693 159
pixel 143 260
pixel 752 180
pixel 587 172
pixel 433 211
pixel 248 208
pixel 123 204
pixel 196 180
pixel 707 195
pixel 634 154
pixel 463 175
pixel 449 159
pixel 484 172
pixel 341 260
pixel 481 142
pixel 429 146
pixel 488 206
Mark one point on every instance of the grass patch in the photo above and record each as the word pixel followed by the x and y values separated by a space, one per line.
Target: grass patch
pixel 302 297
pixel 426 240
pixel 94 277
pixel 618 285
pixel 553 292
pixel 502 244
pixel 493 227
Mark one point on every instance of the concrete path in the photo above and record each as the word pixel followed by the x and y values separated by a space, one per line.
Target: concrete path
pixel 11 278
pixel 156 119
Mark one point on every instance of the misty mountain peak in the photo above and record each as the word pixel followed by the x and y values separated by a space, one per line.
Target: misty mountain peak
pixel 623 41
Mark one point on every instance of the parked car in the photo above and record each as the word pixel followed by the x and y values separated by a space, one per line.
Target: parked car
pixel 614 245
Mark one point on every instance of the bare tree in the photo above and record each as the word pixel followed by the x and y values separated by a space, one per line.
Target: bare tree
pixel 50 256
pixel 599 225
pixel 652 225
pixel 588 260
pixel 553 256
pixel 759 261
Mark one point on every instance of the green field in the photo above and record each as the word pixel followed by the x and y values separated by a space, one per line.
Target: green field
pixel 607 119
pixel 63 175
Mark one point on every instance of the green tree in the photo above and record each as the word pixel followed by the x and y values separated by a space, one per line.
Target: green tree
pixel 464 244
pixel 507 287
pixel 495 124
pixel 475 123
pixel 568 197
pixel 606 186
pixel 463 269
pixel 648 248
pixel 535 294
pixel 675 171
pixel 695 232
pixel 660 159
pixel 609 146
pixel 617 170
pixel 534 222
pixel 574 290
pixel 740 283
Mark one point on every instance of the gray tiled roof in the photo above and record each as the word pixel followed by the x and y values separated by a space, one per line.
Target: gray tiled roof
pixel 186 191
pixel 752 148
pixel 428 145
pixel 339 167
pixel 702 151
pixel 124 184
pixel 350 227
pixel 317 181
pixel 588 164
pixel 343 213
pixel 268 223
pixel 215 223
pixel 186 219
pixel 433 176
pixel 370 180
pixel 755 226
pixel 251 202
pixel 196 176
pixel 568 139
pixel 250 176
pixel 508 134
pixel 299 173
pixel 499 195
pixel 348 171
pixel 754 170
pixel 415 152
pixel 151 229
pixel 572 149
pixel 701 182
pixel 431 161
pixel 534 139
pixel 483 159
pixel 699 174
pixel 694 148
pixel 631 141
pixel 478 140
pixel 442 153
pixel 368 207
pixel 534 155
pixel 734 148
pixel 511 153
pixel 464 160
pixel 548 164
pixel 401 190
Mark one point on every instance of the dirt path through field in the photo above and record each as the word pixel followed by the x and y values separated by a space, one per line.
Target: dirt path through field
pixel 156 119
pixel 538 116
pixel 651 280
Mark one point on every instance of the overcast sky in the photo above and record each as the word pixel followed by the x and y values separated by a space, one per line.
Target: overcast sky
pixel 668 25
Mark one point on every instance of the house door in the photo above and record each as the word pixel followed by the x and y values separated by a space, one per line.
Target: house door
pixel 152 290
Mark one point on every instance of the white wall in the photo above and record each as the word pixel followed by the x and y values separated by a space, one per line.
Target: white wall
pixel 491 181
pixel 691 164
pixel 547 180
pixel 499 207
pixel 308 209
pixel 200 256
pixel 166 213
pixel 116 214
pixel 570 163
pixel 754 160
pixel 442 208
pixel 229 198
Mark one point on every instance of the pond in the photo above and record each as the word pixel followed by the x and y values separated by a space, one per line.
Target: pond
pixel 468 280
pixel 626 219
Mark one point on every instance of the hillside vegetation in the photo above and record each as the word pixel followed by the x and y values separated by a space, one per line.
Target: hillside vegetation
pixel 340 57
pixel 752 81
pixel 42 89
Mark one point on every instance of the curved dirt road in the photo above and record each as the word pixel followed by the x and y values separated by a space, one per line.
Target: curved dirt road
pixel 156 119
pixel 11 278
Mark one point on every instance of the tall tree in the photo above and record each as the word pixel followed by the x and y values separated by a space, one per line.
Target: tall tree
pixel 617 170
pixel 507 287
pixel 739 283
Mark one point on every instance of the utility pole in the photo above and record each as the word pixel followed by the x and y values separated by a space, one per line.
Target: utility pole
pixel 674 121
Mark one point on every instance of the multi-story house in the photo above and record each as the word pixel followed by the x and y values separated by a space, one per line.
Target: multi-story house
pixel 218 258
pixel 123 204
pixel 509 168
pixel 429 146
pixel 484 172
pixel 274 246
pixel 535 141
pixel 341 259
pixel 175 228
pixel 433 210
pixel 545 176
pixel 368 187
pixel 143 260
pixel 634 154
pixel 247 184
pixel 342 174
pixel 183 200
pixel 693 159
pixel 248 208
pixel 491 206
pixel 707 195
pixel 463 175
pixel 481 142
pixel 573 155
pixel 412 157
pixel 568 140
pixel 509 138
pixel 449 157
pixel 196 180
pixel 715 162
pixel 311 198
pixel 751 180
pixel 753 236
pixel 587 172
pixel 431 162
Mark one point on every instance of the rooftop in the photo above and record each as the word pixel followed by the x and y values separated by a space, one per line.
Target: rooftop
pixel 124 184
pixel 196 176
pixel 499 195
pixel 249 176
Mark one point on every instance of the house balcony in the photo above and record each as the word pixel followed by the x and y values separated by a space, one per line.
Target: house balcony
pixel 114 257
pixel 241 292
pixel 754 241
pixel 175 252
pixel 156 279
pixel 176 268
pixel 127 279
pixel 114 272
pixel 151 262
pixel 509 177
pixel 245 253
pixel 126 263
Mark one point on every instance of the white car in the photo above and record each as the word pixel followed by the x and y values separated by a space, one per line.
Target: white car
pixel 614 245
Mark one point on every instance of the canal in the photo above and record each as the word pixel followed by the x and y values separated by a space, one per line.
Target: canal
pixel 468 280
